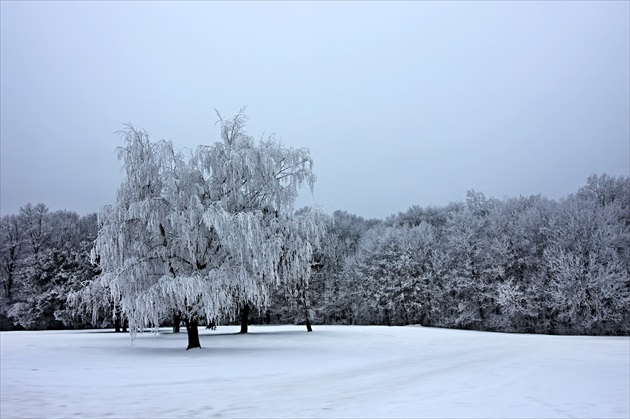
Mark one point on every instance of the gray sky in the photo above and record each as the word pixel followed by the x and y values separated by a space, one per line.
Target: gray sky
pixel 400 103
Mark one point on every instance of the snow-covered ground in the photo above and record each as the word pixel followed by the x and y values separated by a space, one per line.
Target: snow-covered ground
pixel 336 371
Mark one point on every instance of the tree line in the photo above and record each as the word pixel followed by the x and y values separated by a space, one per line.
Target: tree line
pixel 44 256
pixel 211 237
pixel 525 264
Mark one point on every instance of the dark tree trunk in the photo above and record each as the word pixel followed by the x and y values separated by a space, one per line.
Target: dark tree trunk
pixel 117 316
pixel 244 318
pixel 306 304
pixel 193 334
pixel 9 284
pixel 308 324
pixel 268 317
pixel 388 320
pixel 177 320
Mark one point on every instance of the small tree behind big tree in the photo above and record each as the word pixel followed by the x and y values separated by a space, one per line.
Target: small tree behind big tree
pixel 199 234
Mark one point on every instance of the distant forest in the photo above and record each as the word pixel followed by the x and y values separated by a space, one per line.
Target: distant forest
pixel 522 264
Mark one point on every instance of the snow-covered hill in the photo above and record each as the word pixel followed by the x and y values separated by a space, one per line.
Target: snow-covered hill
pixel 336 371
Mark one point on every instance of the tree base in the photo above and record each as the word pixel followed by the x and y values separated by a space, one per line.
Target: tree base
pixel 193 334
pixel 244 319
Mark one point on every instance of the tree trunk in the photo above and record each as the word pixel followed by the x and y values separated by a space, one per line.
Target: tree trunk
pixel 244 318
pixel 120 324
pixel 9 284
pixel 177 320
pixel 306 304
pixel 307 319
pixel 308 324
pixel 193 334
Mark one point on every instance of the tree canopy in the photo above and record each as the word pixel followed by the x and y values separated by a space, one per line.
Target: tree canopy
pixel 197 234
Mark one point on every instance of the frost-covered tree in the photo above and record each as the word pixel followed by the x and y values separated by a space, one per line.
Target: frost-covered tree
pixel 46 286
pixel 197 235
pixel 523 228
pixel 44 256
pixel 474 256
pixel 393 275
pixel 37 228
pixel 301 259
pixel 605 190
pixel 11 238
pixel 338 296
pixel 251 189
pixel 11 246
pixel 587 266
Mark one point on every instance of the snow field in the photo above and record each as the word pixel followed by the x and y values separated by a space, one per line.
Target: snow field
pixel 336 371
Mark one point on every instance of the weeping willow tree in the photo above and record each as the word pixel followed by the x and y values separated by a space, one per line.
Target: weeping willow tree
pixel 200 234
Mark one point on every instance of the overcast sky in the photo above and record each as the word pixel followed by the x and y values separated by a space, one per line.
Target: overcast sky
pixel 400 103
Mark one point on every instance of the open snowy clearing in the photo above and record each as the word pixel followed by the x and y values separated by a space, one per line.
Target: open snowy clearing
pixel 336 371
